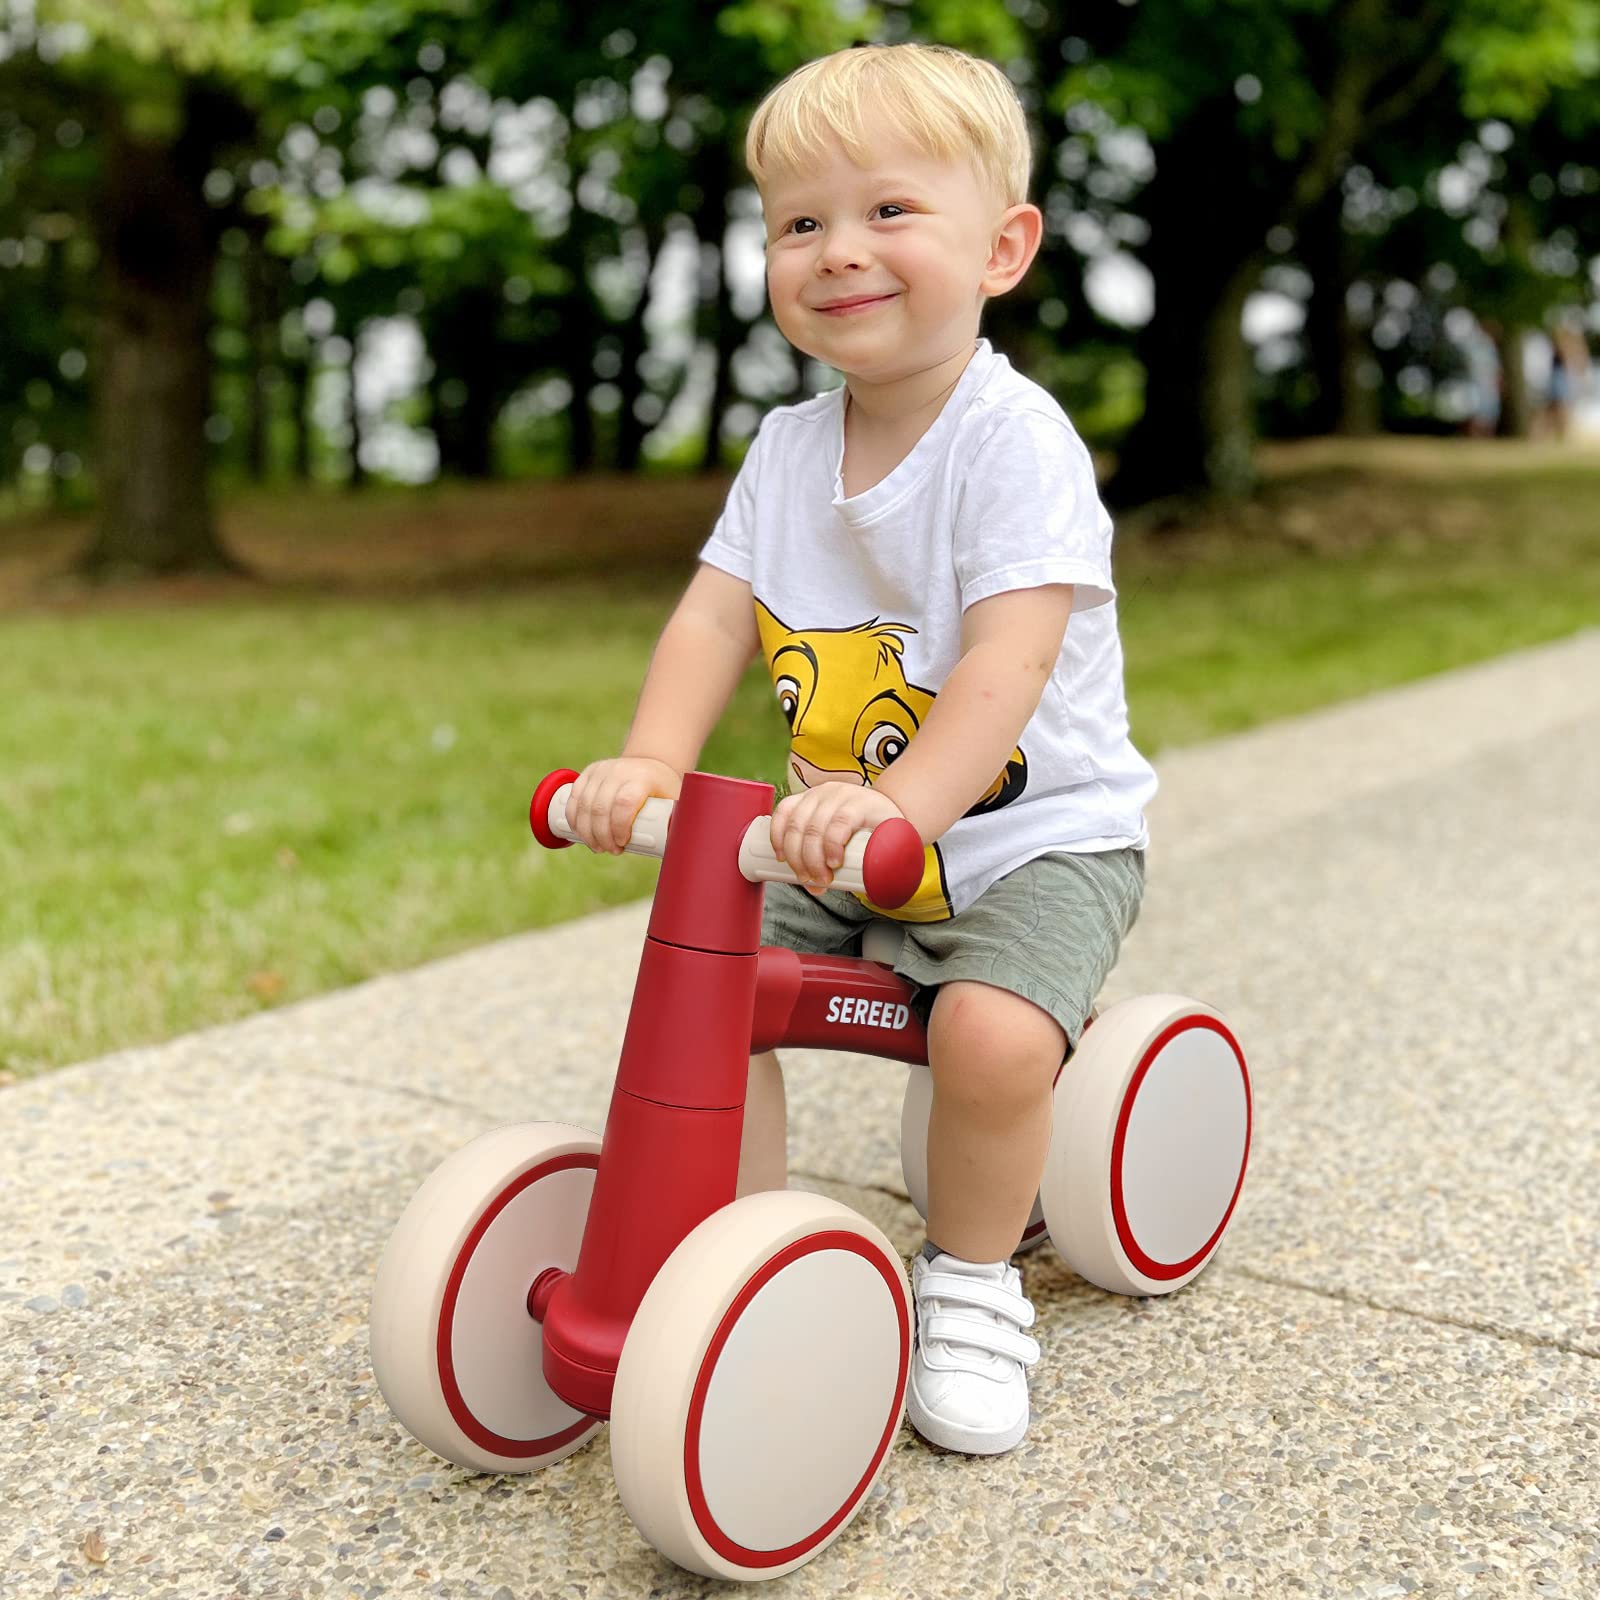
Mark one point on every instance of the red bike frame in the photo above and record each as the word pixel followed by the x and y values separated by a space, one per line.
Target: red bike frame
pixel 707 997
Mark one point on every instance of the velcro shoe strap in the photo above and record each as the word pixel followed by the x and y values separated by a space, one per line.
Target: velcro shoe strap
pixel 971 1292
pixel 951 1329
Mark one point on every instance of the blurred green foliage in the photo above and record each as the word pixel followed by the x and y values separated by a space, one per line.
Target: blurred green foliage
pixel 510 180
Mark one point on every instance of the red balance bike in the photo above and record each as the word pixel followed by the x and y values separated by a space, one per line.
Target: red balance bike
pixel 751 1354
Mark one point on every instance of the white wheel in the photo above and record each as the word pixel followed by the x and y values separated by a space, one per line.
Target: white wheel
pixel 761 1384
pixel 914 1157
pixel 454 1349
pixel 1148 1146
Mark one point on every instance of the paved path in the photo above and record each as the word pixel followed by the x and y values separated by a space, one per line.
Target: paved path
pixel 1388 1382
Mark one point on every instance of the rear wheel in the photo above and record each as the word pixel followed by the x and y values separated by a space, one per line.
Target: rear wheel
pixel 1149 1143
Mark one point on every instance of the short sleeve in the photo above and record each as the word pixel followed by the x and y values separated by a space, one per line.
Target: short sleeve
pixel 1029 514
pixel 733 538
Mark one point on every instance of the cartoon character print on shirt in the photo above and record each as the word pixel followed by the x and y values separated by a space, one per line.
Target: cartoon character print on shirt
pixel 851 713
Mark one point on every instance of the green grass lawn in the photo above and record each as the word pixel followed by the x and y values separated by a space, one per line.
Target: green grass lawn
pixel 213 801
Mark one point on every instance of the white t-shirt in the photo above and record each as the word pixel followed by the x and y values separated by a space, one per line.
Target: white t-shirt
pixel 859 603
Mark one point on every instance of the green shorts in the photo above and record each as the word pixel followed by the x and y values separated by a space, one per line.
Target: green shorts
pixel 1050 932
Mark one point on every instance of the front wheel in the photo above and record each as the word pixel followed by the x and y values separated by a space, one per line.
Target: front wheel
pixel 455 1350
pixel 761 1384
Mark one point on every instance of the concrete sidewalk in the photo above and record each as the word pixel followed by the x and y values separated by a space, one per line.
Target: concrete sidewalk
pixel 1387 1383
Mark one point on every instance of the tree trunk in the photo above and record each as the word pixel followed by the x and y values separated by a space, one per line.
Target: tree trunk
pixel 1516 403
pixel 299 370
pixel 358 470
pixel 1517 406
pixel 579 371
pixel 581 327
pixel 1336 343
pixel 632 430
pixel 261 331
pixel 158 250
pixel 463 341
pixel 1205 253
pixel 1322 253
pixel 1198 427
pixel 1212 200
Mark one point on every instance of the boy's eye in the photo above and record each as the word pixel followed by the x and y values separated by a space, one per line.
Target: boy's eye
pixel 805 225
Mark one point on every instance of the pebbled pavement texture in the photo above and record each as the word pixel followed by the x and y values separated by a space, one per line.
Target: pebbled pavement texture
pixel 1387 1383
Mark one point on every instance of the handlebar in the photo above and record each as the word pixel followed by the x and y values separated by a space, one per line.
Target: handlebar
pixel 884 863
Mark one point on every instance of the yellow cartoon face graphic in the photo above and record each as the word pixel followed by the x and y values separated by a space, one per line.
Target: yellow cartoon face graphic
pixel 851 713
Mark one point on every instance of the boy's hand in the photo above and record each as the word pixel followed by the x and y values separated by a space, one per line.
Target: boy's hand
pixel 606 797
pixel 810 830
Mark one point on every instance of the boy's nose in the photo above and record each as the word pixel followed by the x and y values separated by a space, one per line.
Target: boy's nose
pixel 842 252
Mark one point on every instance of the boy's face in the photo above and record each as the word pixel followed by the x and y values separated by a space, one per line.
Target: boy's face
pixel 912 236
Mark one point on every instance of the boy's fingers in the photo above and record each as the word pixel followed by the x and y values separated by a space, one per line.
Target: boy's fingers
pixel 595 825
pixel 594 819
pixel 624 808
pixel 605 802
pixel 813 845
pixel 837 837
pixel 798 823
pixel 793 848
pixel 808 844
pixel 816 870
pixel 618 820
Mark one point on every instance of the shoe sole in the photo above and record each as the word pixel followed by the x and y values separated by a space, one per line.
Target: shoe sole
pixel 953 1436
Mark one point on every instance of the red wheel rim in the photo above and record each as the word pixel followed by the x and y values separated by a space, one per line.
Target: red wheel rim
pixel 487 1438
pixel 1166 1271
pixel 705 1520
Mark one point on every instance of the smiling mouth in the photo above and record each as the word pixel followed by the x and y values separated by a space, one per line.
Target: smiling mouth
pixel 843 308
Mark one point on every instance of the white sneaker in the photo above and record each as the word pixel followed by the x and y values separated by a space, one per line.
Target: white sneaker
pixel 969 1378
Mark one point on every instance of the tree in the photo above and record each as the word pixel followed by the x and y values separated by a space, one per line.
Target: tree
pixel 1480 202
pixel 1253 125
pixel 46 279
pixel 158 243
pixel 173 91
pixel 666 92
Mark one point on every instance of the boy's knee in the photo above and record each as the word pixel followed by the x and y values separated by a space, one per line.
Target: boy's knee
pixel 989 1047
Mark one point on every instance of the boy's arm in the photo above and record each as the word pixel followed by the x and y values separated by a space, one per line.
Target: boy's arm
pixel 1009 646
pixel 697 663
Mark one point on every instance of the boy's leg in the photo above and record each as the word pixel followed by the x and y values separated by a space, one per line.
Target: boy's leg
pixel 994 1058
pixel 764 1143
pixel 1034 949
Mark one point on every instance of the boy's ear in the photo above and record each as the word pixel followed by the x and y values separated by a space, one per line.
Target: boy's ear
pixel 1016 243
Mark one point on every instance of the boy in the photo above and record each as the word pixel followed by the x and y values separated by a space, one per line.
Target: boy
pixel 906 552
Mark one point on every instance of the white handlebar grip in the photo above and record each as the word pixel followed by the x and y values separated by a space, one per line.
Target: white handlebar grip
pixel 760 863
pixel 649 836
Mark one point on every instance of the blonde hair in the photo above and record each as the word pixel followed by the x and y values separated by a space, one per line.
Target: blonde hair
pixel 948 104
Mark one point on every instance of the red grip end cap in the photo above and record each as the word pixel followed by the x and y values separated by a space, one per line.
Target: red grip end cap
pixel 892 866
pixel 539 809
